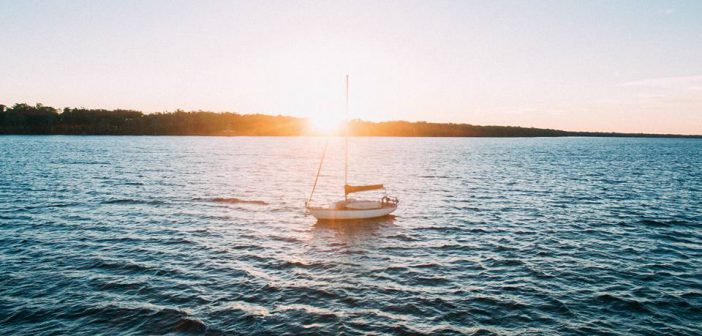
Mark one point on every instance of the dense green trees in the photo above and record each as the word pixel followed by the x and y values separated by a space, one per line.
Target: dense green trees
pixel 40 119
pixel 23 118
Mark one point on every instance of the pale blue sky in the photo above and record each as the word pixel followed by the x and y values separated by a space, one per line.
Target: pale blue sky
pixel 633 66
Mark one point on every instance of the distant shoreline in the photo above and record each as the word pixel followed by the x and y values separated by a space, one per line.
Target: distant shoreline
pixel 633 136
pixel 24 119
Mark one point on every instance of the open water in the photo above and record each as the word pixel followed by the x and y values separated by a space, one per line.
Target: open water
pixel 207 235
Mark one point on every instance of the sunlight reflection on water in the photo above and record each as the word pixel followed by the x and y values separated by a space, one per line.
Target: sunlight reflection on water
pixel 208 235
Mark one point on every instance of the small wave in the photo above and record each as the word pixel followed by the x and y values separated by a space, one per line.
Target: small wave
pixel 234 200
pixel 167 272
pixel 62 205
pixel 257 273
pixel 657 223
pixel 176 241
pixel 621 303
pixel 559 307
pixel 505 262
pixel 131 201
pixel 248 308
pixel 443 229
pixel 310 310
pixel 394 269
pixel 406 309
pixel 118 265
pixel 295 264
pixel 402 237
pixel 426 265
pixel 497 303
pixel 245 247
pixel 430 281
pixel 286 239
pixel 456 330
pixel 387 315
pixel 85 163
pixel 121 286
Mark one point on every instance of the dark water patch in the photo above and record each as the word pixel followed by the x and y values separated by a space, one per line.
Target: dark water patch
pixel 467 208
pixel 557 307
pixel 167 272
pixel 245 247
pixel 483 332
pixel 25 314
pixel 130 201
pixel 452 247
pixel 309 315
pixel 396 269
pixel 122 286
pixel 402 237
pixel 193 326
pixel 437 303
pixel 117 265
pixel 83 162
pixel 617 303
pixel 694 296
pixel 234 200
pixel 539 273
pixel 446 330
pixel 182 297
pixel 426 265
pixel 505 305
pixel 434 176
pixel 407 308
pixel 299 264
pixel 151 320
pixel 663 223
pixel 427 280
pixel 127 240
pixel 177 241
pixel 468 265
pixel 286 239
pixel 664 302
pixel 691 241
pixel 507 262
pixel 313 295
pixel 456 229
pixel 48 205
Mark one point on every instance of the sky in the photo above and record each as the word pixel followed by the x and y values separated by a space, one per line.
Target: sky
pixel 625 66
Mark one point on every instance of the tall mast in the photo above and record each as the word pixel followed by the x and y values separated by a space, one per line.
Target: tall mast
pixel 346 140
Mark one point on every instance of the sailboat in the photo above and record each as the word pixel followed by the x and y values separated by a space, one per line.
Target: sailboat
pixel 349 208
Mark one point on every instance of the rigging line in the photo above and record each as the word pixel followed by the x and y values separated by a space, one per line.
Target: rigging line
pixel 319 169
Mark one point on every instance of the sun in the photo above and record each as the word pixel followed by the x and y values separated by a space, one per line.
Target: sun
pixel 325 124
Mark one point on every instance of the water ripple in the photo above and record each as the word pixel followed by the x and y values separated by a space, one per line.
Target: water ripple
pixel 206 236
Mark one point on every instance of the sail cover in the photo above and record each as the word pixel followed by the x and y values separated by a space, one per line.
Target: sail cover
pixel 353 189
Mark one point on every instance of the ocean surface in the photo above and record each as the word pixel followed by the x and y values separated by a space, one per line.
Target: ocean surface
pixel 207 235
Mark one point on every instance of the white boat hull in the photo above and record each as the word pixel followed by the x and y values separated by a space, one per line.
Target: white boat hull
pixel 350 214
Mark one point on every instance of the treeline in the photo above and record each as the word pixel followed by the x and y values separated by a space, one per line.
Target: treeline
pixel 40 119
pixel 425 129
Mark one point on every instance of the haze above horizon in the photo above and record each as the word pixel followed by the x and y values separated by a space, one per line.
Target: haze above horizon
pixel 625 66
